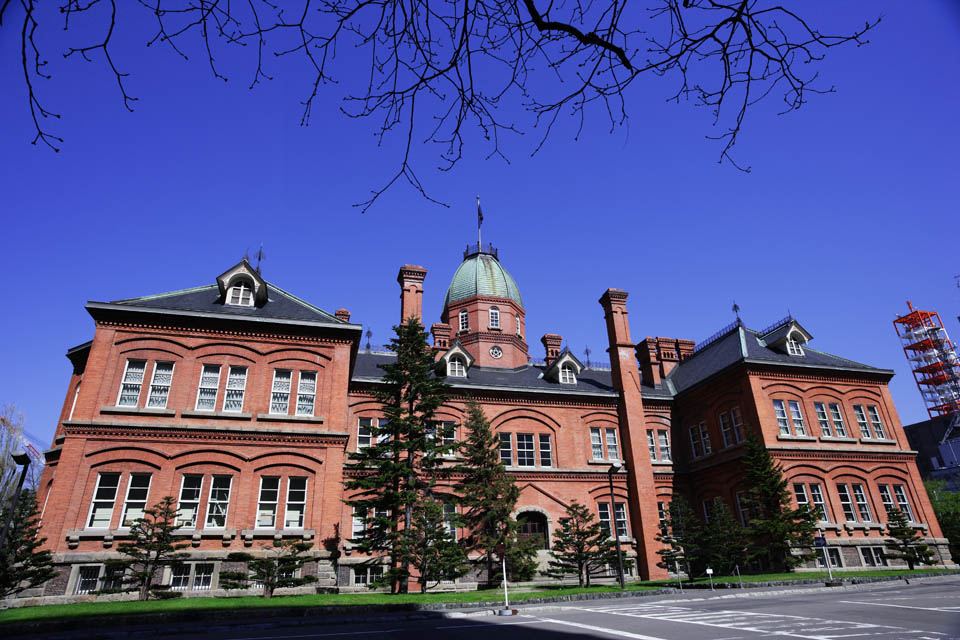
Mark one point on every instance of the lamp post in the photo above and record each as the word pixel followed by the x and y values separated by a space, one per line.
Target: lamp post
pixel 19 457
pixel 614 468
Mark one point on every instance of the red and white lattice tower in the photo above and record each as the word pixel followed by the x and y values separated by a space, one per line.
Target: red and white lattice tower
pixel 933 359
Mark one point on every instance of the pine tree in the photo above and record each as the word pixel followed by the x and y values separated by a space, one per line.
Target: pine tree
pixel 22 565
pixel 275 570
pixel 724 540
pixel 682 536
pixel 906 542
pixel 404 462
pixel 776 528
pixel 489 493
pixel 581 546
pixel 431 547
pixel 152 546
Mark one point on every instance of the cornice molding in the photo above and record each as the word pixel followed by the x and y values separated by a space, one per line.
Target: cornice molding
pixel 216 333
pixel 848 377
pixel 196 432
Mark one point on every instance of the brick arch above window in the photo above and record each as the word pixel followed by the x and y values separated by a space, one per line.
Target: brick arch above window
pixel 497 422
pixel 128 464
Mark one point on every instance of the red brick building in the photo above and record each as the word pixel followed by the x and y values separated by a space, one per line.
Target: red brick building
pixel 243 402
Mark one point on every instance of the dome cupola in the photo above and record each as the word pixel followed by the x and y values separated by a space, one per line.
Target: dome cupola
pixel 481 274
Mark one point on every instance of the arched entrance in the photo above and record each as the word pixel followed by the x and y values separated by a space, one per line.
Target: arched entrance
pixel 533 524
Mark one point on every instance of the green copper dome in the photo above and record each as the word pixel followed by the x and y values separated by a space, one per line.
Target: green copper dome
pixel 481 274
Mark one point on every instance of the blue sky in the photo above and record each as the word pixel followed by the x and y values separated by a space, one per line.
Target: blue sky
pixel 850 209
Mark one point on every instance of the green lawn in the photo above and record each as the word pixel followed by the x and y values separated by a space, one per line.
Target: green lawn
pixel 82 610
pixel 806 575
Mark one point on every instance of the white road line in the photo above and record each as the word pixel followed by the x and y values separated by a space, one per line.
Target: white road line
pixel 901 606
pixel 487 624
pixel 321 635
pixel 590 627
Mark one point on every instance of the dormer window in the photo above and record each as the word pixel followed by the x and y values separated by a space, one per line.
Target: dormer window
pixel 456 368
pixel 567 376
pixel 240 294
pixel 464 320
pixel 794 348
pixel 494 318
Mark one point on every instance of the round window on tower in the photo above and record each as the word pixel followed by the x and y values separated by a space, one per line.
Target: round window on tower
pixel 496 352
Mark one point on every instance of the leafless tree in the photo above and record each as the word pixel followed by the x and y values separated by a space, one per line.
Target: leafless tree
pixel 433 68
pixel 11 440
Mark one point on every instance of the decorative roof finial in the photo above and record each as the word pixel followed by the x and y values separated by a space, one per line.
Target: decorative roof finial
pixel 736 310
pixel 479 223
pixel 260 256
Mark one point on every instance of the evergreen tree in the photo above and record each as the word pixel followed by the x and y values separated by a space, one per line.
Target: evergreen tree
pixel 489 493
pixel 275 570
pixel 724 540
pixel 906 542
pixel 581 546
pixel 682 536
pixel 776 528
pixel 431 547
pixel 152 546
pixel 403 462
pixel 22 565
pixel 946 506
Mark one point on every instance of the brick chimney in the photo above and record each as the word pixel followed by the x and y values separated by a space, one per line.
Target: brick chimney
pixel 441 335
pixel 649 361
pixel 551 343
pixel 685 347
pixel 669 355
pixel 411 292
pixel 342 314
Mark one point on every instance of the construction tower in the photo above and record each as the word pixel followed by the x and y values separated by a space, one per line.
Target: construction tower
pixel 933 360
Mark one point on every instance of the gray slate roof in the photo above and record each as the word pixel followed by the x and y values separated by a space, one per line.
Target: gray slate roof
pixel 206 299
pixel 743 345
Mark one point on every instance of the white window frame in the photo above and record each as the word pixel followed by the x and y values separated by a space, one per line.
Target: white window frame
pixel 275 393
pixel 178 521
pixel 567 375
pixel 903 501
pixel 823 419
pixel 275 502
pixel 305 398
pixel 240 294
pixel 612 444
pixel 847 506
pixel 83 589
pixel 73 405
pixel 862 422
pixel 878 429
pixel 367 574
pixel 836 417
pixel 464 320
pixel 456 368
pixel 198 578
pixel 506 447
pixel 651 444
pixel 138 384
pixel 783 421
pixel 211 503
pixel 546 452
pixel 364 433
pixel 358 523
pixel 159 390
pixel 526 450
pixel 696 445
pixel 449 518
pixel 494 318
pixel 800 493
pixel 742 511
pixel 705 439
pixel 201 386
pixel 128 502
pixel 180 577
pixel 663 439
pixel 737 423
pixel 794 348
pixel 112 501
pixel 862 498
pixel 233 374
pixel 796 416
pixel 836 558
pixel 596 443
pixel 819 501
pixel 298 505
pixel 877 557
pixel 603 508
pixel 726 430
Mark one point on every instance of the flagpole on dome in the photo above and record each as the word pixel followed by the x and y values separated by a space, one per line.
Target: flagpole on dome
pixel 479 222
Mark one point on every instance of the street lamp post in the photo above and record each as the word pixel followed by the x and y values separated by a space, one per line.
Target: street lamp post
pixel 19 457
pixel 614 468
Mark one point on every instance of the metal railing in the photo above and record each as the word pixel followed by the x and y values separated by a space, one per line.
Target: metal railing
pixel 476 248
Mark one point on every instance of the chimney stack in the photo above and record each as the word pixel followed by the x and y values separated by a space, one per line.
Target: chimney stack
pixel 342 314
pixel 411 292
pixel 551 342
pixel 441 335
pixel 649 361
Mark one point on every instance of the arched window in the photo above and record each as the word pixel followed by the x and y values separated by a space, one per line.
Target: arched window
pixel 794 348
pixel 240 294
pixel 567 376
pixel 456 368
pixel 464 320
pixel 518 326
pixel 494 318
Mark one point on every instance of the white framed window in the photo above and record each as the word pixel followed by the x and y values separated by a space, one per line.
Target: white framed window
pixel 837 416
pixel 219 502
pixel 202 576
pixel 873 556
pixel 359 522
pixel 190 487
pixel 137 492
pixel 450 518
pixel 596 443
pixel 836 562
pixel 160 385
pixel 448 433
pixel 797 416
pixel 876 422
pixel 131 383
pixel 494 318
pixel 73 405
pixel 546 450
pixel 296 506
pixel 740 499
pixel 900 493
pixel 464 320
pixel 367 574
pixel 737 423
pixel 863 505
pixel 603 510
pixel 506 449
pixel 112 578
pixel 456 368
pixel 780 409
pixel 794 348
pixel 364 432
pixel 209 384
pixel 306 393
pixel 726 430
pixel 525 452
pixel 800 491
pixel 613 447
pixel 822 419
pixel 267 504
pixel 819 502
pixel 104 497
pixel 519 333
pixel 846 503
pixel 240 294
pixel 280 391
pixel 862 423
pixel 87 579
pixel 663 437
pixel 696 446
pixel 662 513
pixel 180 577
pixel 236 387
pixel 567 376
pixel 652 444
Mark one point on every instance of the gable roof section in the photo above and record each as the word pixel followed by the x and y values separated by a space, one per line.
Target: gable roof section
pixel 741 344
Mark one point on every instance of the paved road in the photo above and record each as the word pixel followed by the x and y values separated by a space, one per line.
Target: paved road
pixel 929 610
